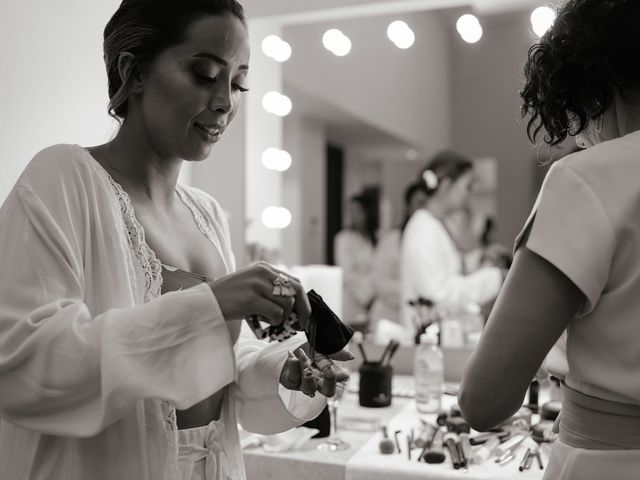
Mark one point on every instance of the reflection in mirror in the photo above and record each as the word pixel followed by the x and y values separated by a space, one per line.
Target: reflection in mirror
pixel 370 120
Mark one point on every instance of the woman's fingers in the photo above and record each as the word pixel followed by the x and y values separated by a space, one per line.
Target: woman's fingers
pixel 287 291
pixel 326 365
pixel 309 382
pixel 292 373
pixel 323 362
pixel 300 374
pixel 341 374
pixel 342 356
pixel 302 306
pixel 285 304
pixel 327 385
pixel 269 311
pixel 301 355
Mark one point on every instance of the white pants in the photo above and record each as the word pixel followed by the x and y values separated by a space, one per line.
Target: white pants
pixel 570 463
pixel 200 456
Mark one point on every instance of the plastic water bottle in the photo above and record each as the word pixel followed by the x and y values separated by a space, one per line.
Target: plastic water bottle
pixel 429 374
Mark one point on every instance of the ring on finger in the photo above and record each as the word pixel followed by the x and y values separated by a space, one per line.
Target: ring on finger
pixel 282 286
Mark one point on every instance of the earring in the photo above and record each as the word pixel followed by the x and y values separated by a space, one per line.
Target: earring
pixel 599 122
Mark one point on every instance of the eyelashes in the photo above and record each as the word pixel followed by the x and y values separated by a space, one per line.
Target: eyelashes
pixel 207 80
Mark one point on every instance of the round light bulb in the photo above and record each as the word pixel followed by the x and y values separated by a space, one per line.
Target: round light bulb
pixel 542 19
pixel 406 40
pixel 343 47
pixel 276 103
pixel 270 101
pixel 396 28
pixel 270 45
pixel 469 28
pixel 331 38
pixel 400 34
pixel 283 52
pixel 276 159
pixel 276 217
pixel 284 106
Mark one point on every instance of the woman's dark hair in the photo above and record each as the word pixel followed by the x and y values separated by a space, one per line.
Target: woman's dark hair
pixel 145 28
pixel 446 164
pixel 410 191
pixel 592 49
pixel 369 202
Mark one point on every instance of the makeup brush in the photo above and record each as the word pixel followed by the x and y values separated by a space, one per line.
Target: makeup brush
pixel 386 444
pixel 432 451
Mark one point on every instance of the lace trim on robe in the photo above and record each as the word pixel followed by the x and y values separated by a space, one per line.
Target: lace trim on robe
pixel 152 269
pixel 200 217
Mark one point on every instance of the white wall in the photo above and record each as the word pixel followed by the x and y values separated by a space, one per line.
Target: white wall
pixel 396 177
pixel 304 191
pixel 53 87
pixel 263 130
pixel 404 92
pixel 487 77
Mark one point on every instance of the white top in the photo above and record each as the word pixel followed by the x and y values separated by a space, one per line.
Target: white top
pixel 92 358
pixel 354 253
pixel 432 267
pixel 586 222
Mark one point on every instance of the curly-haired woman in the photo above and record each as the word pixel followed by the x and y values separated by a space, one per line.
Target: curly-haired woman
pixel 577 261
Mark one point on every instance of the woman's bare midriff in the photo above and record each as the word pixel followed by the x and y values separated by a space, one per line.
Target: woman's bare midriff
pixel 202 413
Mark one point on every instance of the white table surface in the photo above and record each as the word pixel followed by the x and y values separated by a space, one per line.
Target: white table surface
pixel 363 461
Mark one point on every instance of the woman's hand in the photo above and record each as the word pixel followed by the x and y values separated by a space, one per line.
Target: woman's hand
pixel 321 375
pixel 253 291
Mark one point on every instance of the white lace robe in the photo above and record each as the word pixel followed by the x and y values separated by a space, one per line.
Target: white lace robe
pixel 92 358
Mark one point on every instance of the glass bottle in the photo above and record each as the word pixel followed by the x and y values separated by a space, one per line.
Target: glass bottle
pixel 428 374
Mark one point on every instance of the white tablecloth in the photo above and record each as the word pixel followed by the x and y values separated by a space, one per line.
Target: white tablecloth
pixel 363 461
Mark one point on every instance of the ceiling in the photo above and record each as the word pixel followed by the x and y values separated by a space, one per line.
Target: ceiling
pixel 305 11
pixel 342 127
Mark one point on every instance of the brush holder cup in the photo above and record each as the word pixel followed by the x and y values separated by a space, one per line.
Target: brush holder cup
pixel 375 384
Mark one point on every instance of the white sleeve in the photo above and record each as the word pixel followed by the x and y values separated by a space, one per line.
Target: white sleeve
pixel 64 371
pixel 432 278
pixel 569 228
pixel 265 406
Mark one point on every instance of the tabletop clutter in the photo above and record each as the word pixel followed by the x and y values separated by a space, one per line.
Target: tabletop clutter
pixel 445 434
pixel 441 435
pixel 437 435
pixel 450 439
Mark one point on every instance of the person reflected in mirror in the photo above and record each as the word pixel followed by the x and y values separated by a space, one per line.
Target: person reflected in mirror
pixel 354 248
pixel 432 266
pixel 386 262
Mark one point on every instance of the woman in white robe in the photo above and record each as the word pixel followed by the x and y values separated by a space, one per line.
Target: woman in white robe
pixel 386 261
pixel 94 359
pixel 431 266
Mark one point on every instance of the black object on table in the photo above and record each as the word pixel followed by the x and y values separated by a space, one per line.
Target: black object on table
pixel 322 422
